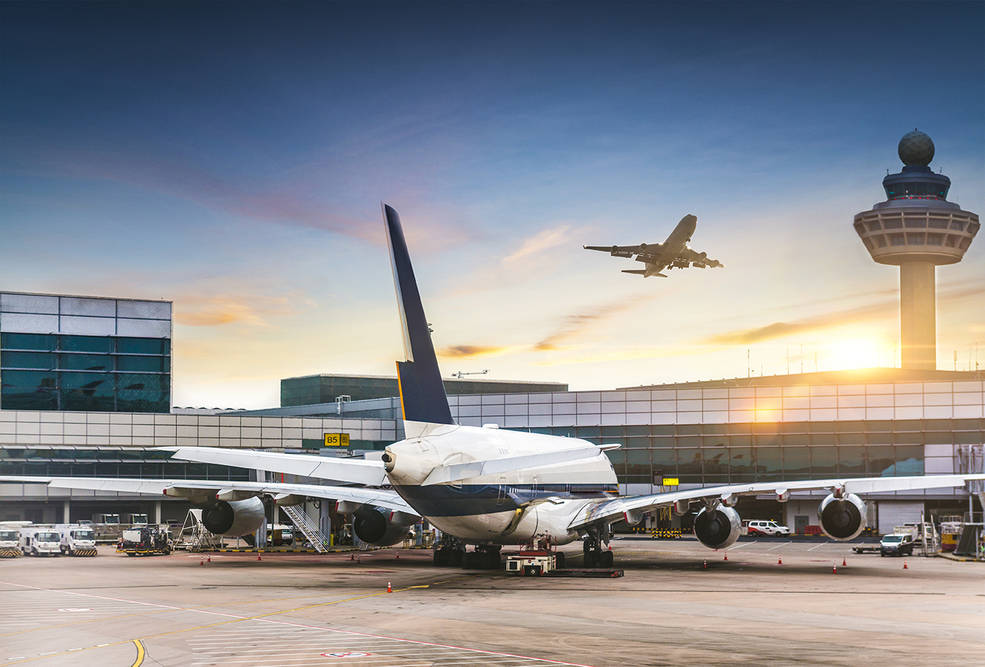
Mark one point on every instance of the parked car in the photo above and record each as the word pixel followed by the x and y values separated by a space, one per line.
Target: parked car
pixel 896 545
pixel 766 528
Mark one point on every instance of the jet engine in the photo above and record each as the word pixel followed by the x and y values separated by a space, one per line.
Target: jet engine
pixel 842 518
pixel 380 526
pixel 717 528
pixel 234 518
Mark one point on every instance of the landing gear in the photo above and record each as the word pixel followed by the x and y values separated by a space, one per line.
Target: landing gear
pixel 449 551
pixel 593 548
pixel 485 557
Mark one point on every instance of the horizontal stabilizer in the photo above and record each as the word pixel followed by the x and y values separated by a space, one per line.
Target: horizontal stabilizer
pixel 637 272
pixel 461 471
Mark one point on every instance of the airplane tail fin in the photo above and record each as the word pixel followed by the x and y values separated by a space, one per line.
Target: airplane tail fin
pixel 422 392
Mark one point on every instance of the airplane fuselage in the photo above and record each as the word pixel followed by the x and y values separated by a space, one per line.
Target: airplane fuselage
pixel 515 507
pixel 674 244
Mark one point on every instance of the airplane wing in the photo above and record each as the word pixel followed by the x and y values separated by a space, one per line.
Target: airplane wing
pixel 698 259
pixel 355 471
pixel 609 511
pixel 626 250
pixel 177 487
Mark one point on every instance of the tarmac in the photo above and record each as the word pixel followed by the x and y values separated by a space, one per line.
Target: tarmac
pixel 677 603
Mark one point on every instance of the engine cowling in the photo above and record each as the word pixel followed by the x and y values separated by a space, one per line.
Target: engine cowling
pixel 717 528
pixel 234 518
pixel 842 518
pixel 380 526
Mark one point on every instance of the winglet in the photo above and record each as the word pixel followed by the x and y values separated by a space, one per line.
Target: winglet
pixel 422 393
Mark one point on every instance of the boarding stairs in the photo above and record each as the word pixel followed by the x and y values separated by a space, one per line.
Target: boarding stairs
pixel 306 527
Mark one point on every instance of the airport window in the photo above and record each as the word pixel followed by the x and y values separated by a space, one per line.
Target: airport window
pixel 716 463
pixel 87 391
pixel 880 461
pixel 689 462
pixel 18 341
pixel 851 460
pixel 916 239
pixel 937 223
pixel 86 343
pixel 768 463
pixel 892 222
pixel 958 225
pixel 935 239
pixel 915 223
pixel 143 346
pixel 874 226
pixel 85 362
pixel 909 460
pixel 27 390
pixel 144 364
pixel 35 360
pixel 638 462
pixel 664 459
pixel 824 461
pixel 741 460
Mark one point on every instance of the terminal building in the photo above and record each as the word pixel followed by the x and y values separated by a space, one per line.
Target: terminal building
pixel 86 391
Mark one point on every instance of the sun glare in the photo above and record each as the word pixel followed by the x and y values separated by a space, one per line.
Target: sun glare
pixel 855 353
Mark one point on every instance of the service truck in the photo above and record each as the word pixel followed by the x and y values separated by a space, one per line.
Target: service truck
pixel 77 540
pixel 40 541
pixel 10 535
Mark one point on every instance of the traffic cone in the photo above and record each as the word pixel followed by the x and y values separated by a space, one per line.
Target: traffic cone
pixel 210 559
pixel 834 569
pixel 905 566
pixel 779 560
pixel 258 557
pixel 844 563
pixel 389 588
pixel 398 557
pixel 706 565
pixel 201 562
pixel 726 556
pixel 352 556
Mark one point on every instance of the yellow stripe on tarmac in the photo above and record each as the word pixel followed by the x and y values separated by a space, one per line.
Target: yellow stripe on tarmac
pixel 140 654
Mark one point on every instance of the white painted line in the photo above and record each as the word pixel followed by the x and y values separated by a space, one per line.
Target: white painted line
pixel 816 546
pixel 780 545
pixel 742 544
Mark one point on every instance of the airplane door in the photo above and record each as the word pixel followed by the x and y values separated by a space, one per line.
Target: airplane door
pixel 503 495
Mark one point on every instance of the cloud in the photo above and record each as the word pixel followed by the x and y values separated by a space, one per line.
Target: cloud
pixel 221 310
pixel 573 325
pixel 539 242
pixel 882 309
pixel 464 351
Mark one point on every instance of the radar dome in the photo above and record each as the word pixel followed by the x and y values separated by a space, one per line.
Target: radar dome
pixel 916 149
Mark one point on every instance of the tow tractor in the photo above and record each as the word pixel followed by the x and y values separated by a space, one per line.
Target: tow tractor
pixel 543 560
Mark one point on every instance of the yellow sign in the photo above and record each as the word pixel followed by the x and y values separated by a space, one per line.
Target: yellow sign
pixel 336 439
pixel 671 481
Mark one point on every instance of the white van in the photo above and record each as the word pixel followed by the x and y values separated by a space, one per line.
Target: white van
pixel 40 541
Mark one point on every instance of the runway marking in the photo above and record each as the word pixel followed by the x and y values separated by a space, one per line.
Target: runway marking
pixel 139 660
pixel 265 618
pixel 782 544
pixel 816 546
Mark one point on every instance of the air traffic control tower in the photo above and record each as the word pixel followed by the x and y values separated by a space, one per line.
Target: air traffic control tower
pixel 916 228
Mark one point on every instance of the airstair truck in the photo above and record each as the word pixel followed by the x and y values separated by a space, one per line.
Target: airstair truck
pixel 77 540
pixel 40 541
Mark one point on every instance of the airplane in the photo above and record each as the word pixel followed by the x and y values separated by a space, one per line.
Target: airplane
pixel 483 487
pixel 672 253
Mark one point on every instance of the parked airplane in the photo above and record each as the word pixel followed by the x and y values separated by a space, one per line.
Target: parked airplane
pixel 672 253
pixel 485 487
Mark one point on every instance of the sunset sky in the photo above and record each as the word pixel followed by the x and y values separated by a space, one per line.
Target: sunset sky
pixel 233 159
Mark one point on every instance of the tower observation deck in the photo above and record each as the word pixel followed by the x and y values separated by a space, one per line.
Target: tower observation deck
pixel 916 228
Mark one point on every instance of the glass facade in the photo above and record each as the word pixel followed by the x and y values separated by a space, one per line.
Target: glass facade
pixel 109 462
pixel 85 373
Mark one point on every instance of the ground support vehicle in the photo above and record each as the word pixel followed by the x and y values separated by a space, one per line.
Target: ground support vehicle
pixel 896 544
pixel 77 540
pixel 9 538
pixel 765 528
pixel 145 541
pixel 526 563
pixel 40 541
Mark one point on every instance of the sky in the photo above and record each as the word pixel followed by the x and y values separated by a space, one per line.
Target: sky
pixel 232 157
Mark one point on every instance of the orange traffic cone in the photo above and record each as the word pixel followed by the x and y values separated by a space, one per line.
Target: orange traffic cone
pixel 726 556
pixel 834 569
pixel 706 565
pixel 258 557
pixel 389 588
pixel 779 560
pixel 844 563
pixel 201 562
pixel 210 559
pixel 905 566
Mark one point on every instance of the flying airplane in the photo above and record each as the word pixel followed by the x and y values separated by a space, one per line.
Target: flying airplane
pixel 672 253
pixel 483 487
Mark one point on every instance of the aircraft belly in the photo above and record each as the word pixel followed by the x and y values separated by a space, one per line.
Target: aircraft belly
pixel 478 527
